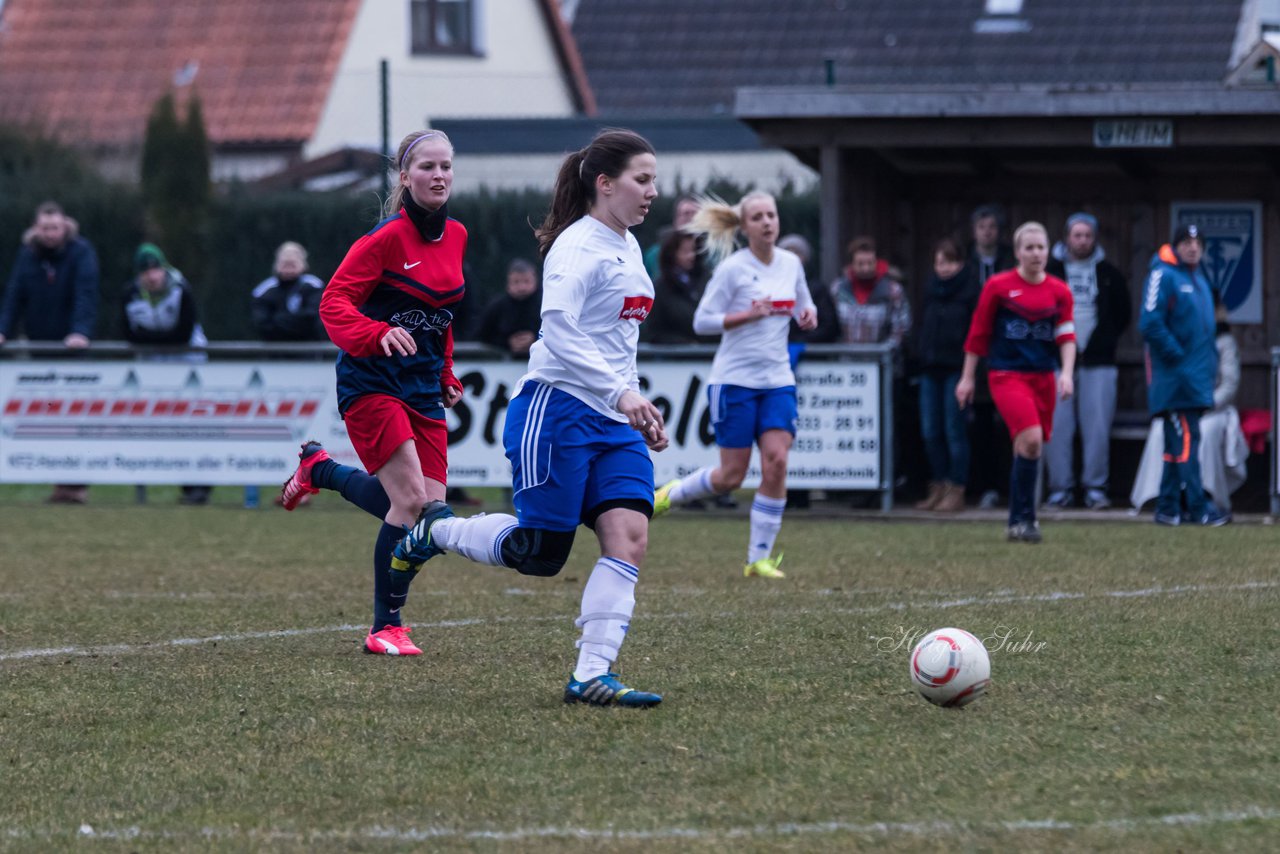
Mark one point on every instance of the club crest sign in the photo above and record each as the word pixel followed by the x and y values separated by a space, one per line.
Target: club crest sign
pixel 1232 252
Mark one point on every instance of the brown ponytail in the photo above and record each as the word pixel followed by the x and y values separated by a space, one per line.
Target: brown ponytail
pixel 575 190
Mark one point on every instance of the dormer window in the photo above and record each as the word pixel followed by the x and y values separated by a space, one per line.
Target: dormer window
pixel 1001 16
pixel 443 26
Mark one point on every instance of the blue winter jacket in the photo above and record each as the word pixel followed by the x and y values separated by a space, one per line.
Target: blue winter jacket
pixel 51 294
pixel 1178 326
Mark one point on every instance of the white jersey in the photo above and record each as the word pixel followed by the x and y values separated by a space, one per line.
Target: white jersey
pixel 595 294
pixel 753 355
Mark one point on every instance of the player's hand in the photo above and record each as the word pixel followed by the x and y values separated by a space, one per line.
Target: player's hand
pixel 450 395
pixel 75 341
pixel 656 438
pixel 1066 387
pixel 399 341
pixel 964 392
pixel 760 308
pixel 808 319
pixel 641 414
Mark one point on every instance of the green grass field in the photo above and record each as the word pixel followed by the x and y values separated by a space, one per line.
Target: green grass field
pixel 190 678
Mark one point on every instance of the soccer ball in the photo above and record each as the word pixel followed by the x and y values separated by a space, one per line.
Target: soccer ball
pixel 950 667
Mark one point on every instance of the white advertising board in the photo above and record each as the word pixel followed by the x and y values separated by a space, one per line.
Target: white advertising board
pixel 228 423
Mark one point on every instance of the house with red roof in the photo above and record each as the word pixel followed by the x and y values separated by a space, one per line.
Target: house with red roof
pixel 282 83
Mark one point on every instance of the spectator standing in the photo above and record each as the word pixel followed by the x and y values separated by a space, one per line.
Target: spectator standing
pixel 870 303
pixel 512 319
pixel 872 308
pixel 1023 320
pixel 1224 453
pixel 950 298
pixel 682 277
pixel 1177 324
pixel 1100 299
pixel 158 309
pixel 988 255
pixel 52 295
pixel 286 306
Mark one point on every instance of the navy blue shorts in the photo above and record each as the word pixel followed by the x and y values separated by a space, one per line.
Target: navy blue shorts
pixel 739 415
pixel 567 459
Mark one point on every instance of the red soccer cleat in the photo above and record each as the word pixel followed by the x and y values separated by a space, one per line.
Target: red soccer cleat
pixel 298 486
pixel 391 640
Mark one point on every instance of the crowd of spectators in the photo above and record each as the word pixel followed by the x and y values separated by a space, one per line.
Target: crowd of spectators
pixel 52 294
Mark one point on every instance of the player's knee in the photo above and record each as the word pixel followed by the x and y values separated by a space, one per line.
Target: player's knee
pixel 731 478
pixel 533 551
pixel 774 461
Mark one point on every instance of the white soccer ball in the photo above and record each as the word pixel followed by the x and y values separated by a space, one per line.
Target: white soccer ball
pixel 950 667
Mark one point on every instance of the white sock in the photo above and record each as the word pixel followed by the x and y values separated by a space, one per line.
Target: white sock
pixel 694 486
pixel 766 522
pixel 477 538
pixel 607 603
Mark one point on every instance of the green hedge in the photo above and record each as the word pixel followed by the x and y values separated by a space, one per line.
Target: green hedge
pixel 247 225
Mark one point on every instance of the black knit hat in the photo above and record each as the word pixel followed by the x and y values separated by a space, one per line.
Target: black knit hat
pixel 1187 232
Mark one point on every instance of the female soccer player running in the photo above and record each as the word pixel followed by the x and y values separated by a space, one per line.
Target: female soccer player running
pixel 577 428
pixel 387 309
pixel 750 301
pixel 1023 324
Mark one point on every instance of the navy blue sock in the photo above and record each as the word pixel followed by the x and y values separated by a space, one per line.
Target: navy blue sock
pixel 1022 490
pixel 356 485
pixel 386 607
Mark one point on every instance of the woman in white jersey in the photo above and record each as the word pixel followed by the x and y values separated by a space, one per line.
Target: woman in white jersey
pixel 749 301
pixel 578 431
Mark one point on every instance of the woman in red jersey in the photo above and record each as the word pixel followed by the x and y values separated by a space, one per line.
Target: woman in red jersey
pixel 388 307
pixel 1023 325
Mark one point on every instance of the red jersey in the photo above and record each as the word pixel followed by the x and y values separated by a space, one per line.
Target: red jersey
pixel 1020 326
pixel 394 277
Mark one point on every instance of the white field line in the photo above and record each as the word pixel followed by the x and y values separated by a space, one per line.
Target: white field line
pixel 783 829
pixel 1001 598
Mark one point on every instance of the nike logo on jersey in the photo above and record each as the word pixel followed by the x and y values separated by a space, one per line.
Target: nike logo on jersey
pixel 636 308
pixel 409 266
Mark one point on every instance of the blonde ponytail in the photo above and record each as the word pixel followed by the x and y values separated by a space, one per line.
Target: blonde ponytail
pixel 718 222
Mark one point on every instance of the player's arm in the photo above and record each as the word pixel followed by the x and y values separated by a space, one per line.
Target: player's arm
pixel 1064 335
pixel 340 303
pixel 977 344
pixel 806 313
pixel 713 317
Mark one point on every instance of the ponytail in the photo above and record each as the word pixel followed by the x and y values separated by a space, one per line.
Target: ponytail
pixel 569 202
pixel 718 222
pixel 575 191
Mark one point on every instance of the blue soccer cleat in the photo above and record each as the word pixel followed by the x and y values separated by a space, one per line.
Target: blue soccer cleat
pixel 418 547
pixel 606 690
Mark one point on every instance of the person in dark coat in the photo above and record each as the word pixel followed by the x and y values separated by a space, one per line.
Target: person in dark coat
pixel 158 309
pixel 950 297
pixel 52 295
pixel 286 306
pixel 682 276
pixel 1178 326
pixel 511 320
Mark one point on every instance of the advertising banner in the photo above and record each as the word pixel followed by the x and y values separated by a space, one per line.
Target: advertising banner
pixel 241 422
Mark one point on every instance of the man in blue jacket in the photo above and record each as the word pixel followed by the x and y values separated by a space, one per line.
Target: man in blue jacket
pixel 52 295
pixel 53 287
pixel 1177 324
